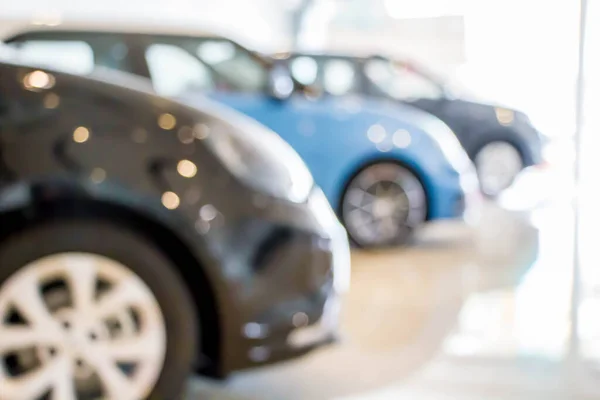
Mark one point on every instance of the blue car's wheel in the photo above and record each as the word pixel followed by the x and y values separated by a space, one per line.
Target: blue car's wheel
pixel 382 204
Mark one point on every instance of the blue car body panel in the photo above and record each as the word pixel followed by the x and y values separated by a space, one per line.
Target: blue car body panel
pixel 330 134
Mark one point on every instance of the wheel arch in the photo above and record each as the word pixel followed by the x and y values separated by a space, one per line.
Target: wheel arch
pixel 20 210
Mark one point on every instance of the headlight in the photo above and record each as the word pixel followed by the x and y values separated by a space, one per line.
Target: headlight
pixel 260 158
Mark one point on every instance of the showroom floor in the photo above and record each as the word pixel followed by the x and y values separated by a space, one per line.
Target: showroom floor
pixel 464 313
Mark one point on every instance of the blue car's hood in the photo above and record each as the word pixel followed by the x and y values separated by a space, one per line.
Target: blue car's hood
pixel 371 108
pixel 333 112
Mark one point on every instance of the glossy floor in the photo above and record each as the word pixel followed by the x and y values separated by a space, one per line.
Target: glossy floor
pixel 464 313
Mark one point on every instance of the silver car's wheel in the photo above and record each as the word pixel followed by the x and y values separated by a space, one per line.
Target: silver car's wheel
pixel 75 345
pixel 382 205
pixel 498 164
pixel 89 310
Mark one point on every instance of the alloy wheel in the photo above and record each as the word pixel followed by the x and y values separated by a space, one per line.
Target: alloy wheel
pixel 382 204
pixel 498 164
pixel 78 325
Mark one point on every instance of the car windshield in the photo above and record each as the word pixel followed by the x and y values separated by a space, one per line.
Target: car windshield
pixel 239 68
pixel 402 80
pixel 181 64
pixel 176 64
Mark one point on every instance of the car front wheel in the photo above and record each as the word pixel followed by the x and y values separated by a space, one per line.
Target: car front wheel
pixel 88 310
pixel 498 163
pixel 382 205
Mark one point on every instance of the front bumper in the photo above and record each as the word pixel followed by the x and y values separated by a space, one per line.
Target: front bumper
pixel 297 297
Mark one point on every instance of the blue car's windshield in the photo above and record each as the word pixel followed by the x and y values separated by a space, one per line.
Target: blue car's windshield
pixel 178 65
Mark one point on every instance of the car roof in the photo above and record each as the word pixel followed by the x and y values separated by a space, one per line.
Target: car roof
pixel 121 82
pixel 9 56
pixel 335 54
pixel 134 28
pixel 296 53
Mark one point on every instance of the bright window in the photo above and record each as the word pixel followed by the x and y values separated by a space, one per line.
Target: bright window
pixel 233 65
pixel 174 71
pixel 76 57
pixel 339 77
pixel 400 81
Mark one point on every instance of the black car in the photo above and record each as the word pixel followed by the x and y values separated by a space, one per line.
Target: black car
pixel 141 238
pixel 499 140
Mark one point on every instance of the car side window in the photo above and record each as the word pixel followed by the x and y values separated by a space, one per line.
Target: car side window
pixel 400 81
pixel 235 67
pixel 339 77
pixel 76 55
pixel 174 71
pixel 305 70
pixel 72 56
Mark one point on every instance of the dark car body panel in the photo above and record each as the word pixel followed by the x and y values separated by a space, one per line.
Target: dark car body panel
pixel 81 144
pixel 475 124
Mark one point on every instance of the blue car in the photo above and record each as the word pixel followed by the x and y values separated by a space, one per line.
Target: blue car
pixel 385 168
pixel 500 141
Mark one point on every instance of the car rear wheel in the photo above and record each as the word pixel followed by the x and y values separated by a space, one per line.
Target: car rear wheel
pixel 88 310
pixel 382 205
pixel 498 163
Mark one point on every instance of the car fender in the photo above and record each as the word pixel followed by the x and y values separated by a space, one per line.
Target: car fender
pixel 33 198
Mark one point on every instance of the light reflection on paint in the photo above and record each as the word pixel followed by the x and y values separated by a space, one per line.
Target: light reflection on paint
pixel 81 134
pixel 51 101
pixel 170 200
pixel 187 169
pixel 384 147
pixel 201 131
pixel 401 138
pixel 376 133
pixel 37 80
pixel 167 121
pixel 98 175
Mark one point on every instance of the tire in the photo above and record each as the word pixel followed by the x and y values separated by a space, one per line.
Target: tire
pixel 391 214
pixel 498 163
pixel 152 283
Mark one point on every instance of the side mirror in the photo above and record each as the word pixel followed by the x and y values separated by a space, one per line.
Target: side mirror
pixel 281 84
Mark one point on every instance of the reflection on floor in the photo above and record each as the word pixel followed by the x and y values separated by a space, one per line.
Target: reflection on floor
pixel 464 313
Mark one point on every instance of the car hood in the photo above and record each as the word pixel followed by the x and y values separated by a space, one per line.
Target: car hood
pixel 371 107
pixel 418 120
pixel 355 110
pixel 477 105
pixel 483 106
